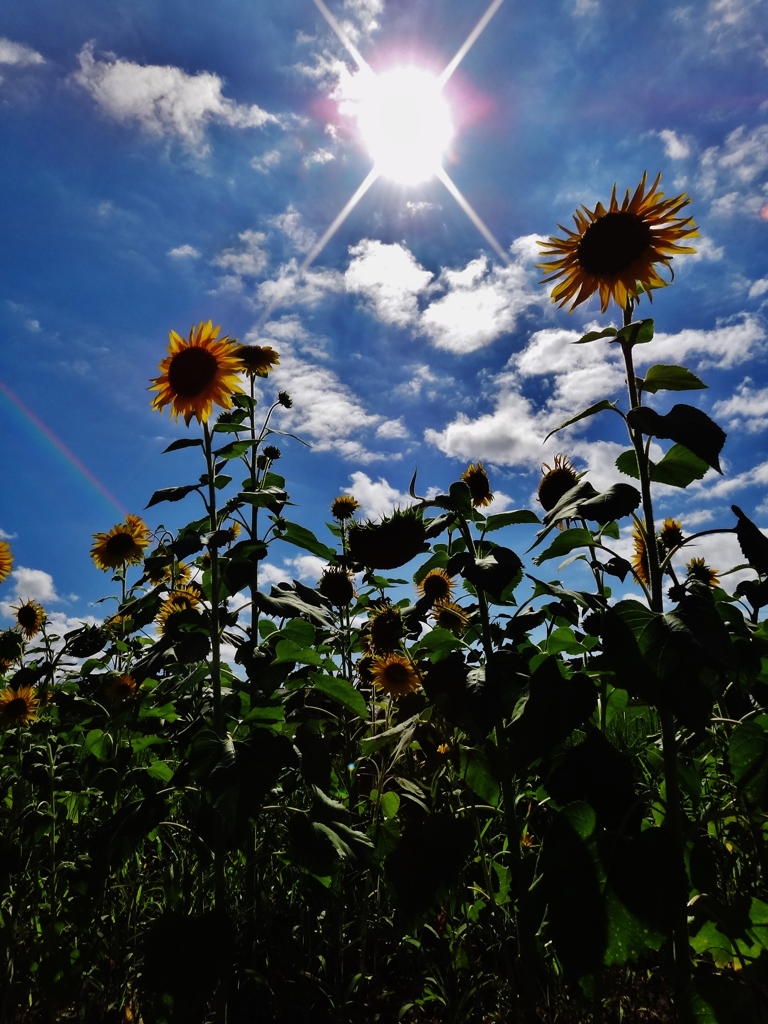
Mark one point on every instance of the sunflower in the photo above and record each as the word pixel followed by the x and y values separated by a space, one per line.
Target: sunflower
pixel 697 569
pixel 121 688
pixel 450 616
pixel 123 545
pixel 119 625
pixel 6 560
pixel 256 360
pixel 336 585
pixel 556 481
pixel 185 598
pixel 30 617
pixel 613 251
pixel 272 452
pixel 476 479
pixel 18 707
pixel 437 585
pixel 640 557
pixel 385 630
pixel 394 675
pixel 344 506
pixel 671 535
pixel 197 374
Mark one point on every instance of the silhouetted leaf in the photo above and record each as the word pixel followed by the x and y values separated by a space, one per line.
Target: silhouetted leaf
pixel 685 425
pixel 752 541
pixel 171 494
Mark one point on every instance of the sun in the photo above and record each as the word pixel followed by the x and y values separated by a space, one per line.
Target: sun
pixel 405 123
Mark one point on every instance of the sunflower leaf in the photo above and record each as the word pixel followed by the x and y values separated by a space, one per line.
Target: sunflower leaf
pixel 171 494
pixel 686 425
pixel 183 442
pixel 342 692
pixel 661 377
pixel 564 543
pixel 609 332
pixel 501 519
pixel 679 467
pixel 638 333
pixel 305 539
pixel 598 407
pixel 752 541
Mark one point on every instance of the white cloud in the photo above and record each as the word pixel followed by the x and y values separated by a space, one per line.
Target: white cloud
pixel 420 207
pixel 390 279
pixel 164 100
pixel 33 326
pixel 264 164
pixel 247 261
pixel 290 223
pixel 182 252
pixel 18 54
pixel 727 345
pixel 730 174
pixel 295 287
pixel 377 498
pixel 736 25
pixel 392 429
pixel 675 146
pixel 318 156
pixel 758 288
pixel 722 487
pixel 748 408
pixel 307 568
pixel 33 585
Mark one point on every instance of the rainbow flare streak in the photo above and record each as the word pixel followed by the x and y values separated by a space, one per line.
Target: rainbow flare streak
pixel 73 460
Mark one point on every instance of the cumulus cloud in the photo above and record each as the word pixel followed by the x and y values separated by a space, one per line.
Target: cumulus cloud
pixel 758 288
pixel 574 377
pixel 676 147
pixel 18 54
pixel 291 225
pixel 747 409
pixel 248 260
pixel 164 100
pixel 296 286
pixel 325 411
pixel 377 498
pixel 730 174
pixel 389 278
pixel 183 252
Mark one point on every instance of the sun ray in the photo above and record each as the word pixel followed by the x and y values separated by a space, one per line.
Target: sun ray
pixel 474 217
pixel 468 42
pixel 353 50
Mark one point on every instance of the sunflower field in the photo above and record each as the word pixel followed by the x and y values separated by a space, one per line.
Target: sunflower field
pixel 443 785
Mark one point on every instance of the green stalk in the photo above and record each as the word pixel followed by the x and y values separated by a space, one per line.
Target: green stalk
pixel 673 812
pixel 215 663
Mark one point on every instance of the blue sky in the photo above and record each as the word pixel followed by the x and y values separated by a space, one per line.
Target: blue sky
pixel 168 163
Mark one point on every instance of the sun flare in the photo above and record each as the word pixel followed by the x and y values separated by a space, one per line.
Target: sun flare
pixel 405 123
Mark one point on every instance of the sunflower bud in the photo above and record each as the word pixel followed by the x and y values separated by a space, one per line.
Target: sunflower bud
pixel 556 481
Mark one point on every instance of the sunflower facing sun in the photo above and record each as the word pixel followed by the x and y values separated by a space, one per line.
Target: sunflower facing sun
pixel 198 374
pixel 123 545
pixel 614 251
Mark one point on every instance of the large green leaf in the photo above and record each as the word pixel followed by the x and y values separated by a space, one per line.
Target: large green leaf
pixel 342 692
pixel 686 425
pixel 501 519
pixel 564 543
pixel 678 468
pixel 305 539
pixel 661 377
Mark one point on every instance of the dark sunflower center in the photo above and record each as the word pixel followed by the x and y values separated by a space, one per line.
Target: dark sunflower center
pixel 192 371
pixel 26 617
pixel 613 243
pixel 396 674
pixel 16 708
pixel 120 545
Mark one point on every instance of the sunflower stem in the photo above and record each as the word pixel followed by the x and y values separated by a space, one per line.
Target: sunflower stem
pixel 673 821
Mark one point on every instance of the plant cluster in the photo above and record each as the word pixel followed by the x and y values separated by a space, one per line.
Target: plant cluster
pixel 463 791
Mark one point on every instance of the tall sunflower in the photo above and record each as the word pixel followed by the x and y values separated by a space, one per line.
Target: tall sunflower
pixel 394 675
pixel 6 560
pixel 30 617
pixel 18 707
pixel 123 545
pixel 614 251
pixel 198 374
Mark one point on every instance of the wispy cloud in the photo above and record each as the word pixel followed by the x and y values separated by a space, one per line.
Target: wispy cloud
pixel 18 54
pixel 184 252
pixel 164 100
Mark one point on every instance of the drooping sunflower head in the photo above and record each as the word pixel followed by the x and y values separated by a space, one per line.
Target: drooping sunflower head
pixel 30 617
pixel 450 616
pixel 697 569
pixel 256 360
pixel 388 544
pixel 385 630
pixel 476 479
pixel 394 675
pixel 197 374
pixel 18 707
pixel 614 252
pixel 185 598
pixel 671 534
pixel 6 560
pixel 123 545
pixel 344 507
pixel 437 585
pixel 336 585
pixel 640 556
pixel 121 688
pixel 556 480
